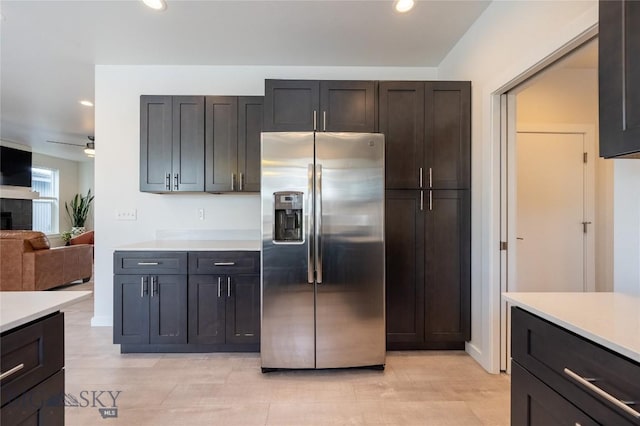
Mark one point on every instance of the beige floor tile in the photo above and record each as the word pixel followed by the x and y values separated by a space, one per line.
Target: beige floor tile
pixel 416 388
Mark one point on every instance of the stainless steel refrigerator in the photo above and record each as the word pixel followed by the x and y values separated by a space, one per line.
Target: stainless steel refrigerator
pixel 322 250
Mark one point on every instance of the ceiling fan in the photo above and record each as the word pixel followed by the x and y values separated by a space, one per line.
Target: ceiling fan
pixel 89 147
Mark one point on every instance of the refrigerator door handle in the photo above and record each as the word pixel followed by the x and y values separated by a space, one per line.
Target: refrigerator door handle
pixel 318 236
pixel 310 223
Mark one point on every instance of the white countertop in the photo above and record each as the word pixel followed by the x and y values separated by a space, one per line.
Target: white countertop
pixel 21 307
pixel 195 245
pixel 609 319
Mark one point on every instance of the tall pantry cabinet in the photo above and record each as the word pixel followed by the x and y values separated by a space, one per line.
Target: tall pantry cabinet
pixel 427 129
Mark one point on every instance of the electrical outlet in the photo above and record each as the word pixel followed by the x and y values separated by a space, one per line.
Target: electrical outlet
pixel 201 214
pixel 127 214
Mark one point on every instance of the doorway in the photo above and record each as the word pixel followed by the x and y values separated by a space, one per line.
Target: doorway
pixel 555 212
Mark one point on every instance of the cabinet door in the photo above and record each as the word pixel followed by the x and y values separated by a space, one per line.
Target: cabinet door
pixel 168 309
pixel 291 105
pixel 131 309
pixel 207 308
pixel 404 231
pixel 535 404
pixel 447 266
pixel 222 143
pixel 347 106
pixel 188 143
pixel 619 81
pixel 448 134
pixel 243 309
pixel 250 113
pixel 402 122
pixel 155 143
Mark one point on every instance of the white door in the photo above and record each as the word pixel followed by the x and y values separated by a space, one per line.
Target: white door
pixel 552 218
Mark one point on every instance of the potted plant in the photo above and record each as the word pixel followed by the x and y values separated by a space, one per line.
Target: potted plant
pixel 78 210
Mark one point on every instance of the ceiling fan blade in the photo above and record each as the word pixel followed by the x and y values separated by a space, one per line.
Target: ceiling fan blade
pixel 66 143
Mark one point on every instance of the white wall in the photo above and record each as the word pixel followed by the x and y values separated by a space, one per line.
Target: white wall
pixel 570 96
pixel 626 226
pixel 506 41
pixel 117 122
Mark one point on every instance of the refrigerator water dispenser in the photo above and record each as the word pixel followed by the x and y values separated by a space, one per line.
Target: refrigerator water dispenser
pixel 288 217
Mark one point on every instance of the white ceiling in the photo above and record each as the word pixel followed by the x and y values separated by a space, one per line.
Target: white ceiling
pixel 48 49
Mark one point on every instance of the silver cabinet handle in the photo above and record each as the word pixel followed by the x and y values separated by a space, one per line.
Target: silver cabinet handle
pixel 420 177
pixel 12 371
pixel 241 181
pixel 233 181
pixel 219 279
pixel 175 182
pixel 154 286
pixel 315 119
pixel 324 121
pixel 224 263
pixel 430 200
pixel 167 181
pixel 318 236
pixel 430 177
pixel 141 286
pixel 310 224
pixel 421 200
pixel 228 286
pixel 148 263
pixel 615 401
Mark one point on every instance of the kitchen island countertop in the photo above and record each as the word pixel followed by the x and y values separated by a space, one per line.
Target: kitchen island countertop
pixel 20 307
pixel 609 319
pixel 194 245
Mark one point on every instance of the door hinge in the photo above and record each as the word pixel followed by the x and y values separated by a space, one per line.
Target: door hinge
pixel 584 157
pixel 503 245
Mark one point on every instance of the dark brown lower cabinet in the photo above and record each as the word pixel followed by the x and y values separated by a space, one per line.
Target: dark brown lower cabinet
pixel 224 309
pixel 428 269
pixel 150 309
pixel 560 378
pixel 212 304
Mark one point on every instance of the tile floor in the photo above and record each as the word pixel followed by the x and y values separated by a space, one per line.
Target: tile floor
pixel 416 388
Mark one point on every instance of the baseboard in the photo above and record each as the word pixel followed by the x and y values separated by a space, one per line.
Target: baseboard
pixel 102 321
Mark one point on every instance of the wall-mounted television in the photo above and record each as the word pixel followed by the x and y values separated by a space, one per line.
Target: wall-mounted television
pixel 15 167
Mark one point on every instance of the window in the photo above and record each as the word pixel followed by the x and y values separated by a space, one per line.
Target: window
pixel 45 209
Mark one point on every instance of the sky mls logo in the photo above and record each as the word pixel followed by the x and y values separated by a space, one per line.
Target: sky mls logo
pixel 104 401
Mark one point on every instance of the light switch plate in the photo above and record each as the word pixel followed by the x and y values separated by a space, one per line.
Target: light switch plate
pixel 131 214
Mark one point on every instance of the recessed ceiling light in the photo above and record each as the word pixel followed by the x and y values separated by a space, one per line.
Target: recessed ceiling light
pixel 156 4
pixel 86 103
pixel 403 6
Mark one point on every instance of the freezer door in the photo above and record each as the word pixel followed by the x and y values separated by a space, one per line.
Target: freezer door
pixel 350 322
pixel 287 334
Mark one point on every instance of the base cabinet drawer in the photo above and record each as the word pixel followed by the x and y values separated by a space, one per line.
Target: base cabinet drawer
pixel 43 405
pixel 595 380
pixel 143 262
pixel 34 353
pixel 535 404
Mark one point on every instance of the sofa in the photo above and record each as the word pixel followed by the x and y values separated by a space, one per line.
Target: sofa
pixel 28 263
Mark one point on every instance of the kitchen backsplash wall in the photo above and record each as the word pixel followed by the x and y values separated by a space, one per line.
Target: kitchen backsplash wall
pixel 626 226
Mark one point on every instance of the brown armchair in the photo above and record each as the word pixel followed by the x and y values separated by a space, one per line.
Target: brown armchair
pixel 28 263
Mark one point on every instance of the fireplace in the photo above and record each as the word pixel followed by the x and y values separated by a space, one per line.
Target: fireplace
pixel 16 214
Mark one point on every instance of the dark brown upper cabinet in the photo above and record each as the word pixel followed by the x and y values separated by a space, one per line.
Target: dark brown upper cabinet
pixel 619 78
pixel 402 122
pixel 232 133
pixel 171 143
pixel 427 128
pixel 250 113
pixel 327 106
